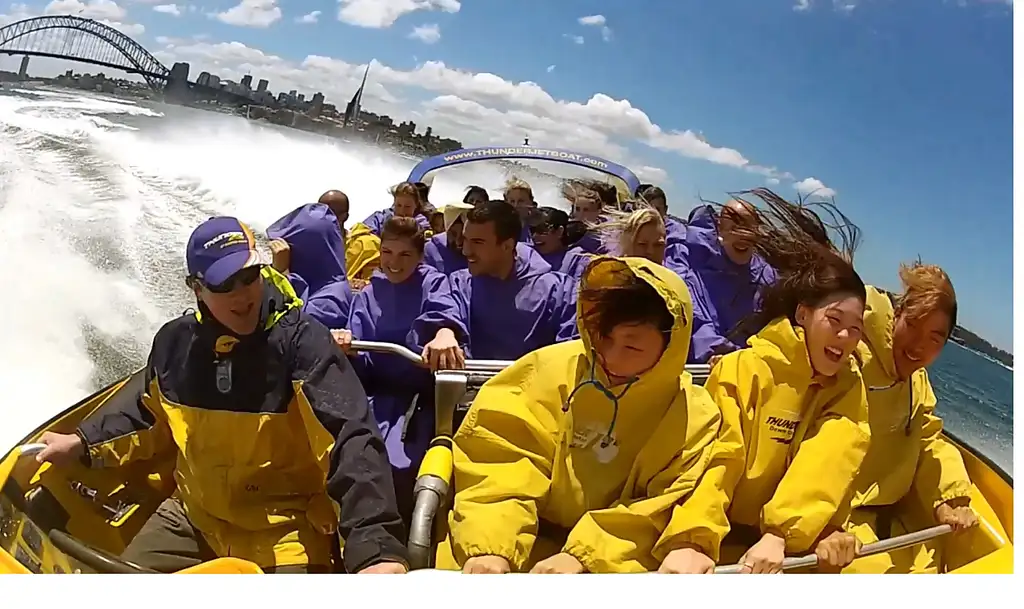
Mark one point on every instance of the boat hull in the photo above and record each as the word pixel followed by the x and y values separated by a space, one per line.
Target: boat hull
pixel 104 509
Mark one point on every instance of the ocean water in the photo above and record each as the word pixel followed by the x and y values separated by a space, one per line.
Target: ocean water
pixel 97 196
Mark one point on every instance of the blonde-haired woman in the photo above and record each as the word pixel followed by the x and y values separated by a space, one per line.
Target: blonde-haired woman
pixel 639 233
pixel 519 194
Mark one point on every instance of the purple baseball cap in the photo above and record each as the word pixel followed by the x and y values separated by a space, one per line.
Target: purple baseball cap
pixel 219 248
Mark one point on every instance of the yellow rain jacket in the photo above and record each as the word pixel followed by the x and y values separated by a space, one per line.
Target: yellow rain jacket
pixel 542 450
pixel 362 252
pixel 276 447
pixel 804 436
pixel 908 453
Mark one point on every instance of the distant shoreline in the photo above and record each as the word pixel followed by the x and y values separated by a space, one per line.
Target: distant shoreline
pixel 972 342
pixel 962 336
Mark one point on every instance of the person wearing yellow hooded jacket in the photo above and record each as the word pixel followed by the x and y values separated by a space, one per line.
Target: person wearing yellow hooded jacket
pixel 276 450
pixel 909 459
pixel 599 454
pixel 799 396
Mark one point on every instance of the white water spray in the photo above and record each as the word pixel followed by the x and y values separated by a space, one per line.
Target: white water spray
pixel 97 199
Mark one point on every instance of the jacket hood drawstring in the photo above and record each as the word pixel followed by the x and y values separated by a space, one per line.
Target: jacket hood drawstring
pixel 607 439
pixel 910 406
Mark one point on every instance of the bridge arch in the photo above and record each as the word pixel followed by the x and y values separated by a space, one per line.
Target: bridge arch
pixel 138 59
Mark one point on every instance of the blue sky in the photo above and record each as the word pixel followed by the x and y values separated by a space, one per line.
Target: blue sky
pixel 903 107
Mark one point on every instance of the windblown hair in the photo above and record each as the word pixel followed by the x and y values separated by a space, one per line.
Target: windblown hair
pixel 425 205
pixel 591 190
pixel 626 299
pixel 926 289
pixel 407 189
pixel 405 229
pixel 793 239
pixel 619 228
pixel 575 191
pixel 518 184
pixel 650 192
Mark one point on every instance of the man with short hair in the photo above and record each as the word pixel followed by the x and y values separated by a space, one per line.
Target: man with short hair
pixel 511 301
pixel 268 424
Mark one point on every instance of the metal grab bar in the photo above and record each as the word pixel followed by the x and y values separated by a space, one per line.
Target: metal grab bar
pixel 475 365
pixel 879 547
pixel 371 346
pixel 28 450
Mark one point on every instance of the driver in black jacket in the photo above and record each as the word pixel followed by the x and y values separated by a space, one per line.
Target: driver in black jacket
pixel 276 451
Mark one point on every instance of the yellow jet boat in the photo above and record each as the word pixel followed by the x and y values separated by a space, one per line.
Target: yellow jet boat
pixel 78 520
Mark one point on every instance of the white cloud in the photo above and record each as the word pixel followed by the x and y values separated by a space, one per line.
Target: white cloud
pixel 251 13
pixel 16 12
pixel 93 9
pixel 575 39
pixel 477 108
pixel 551 69
pixel 309 17
pixel 169 9
pixel 105 11
pixel 772 181
pixel 840 6
pixel 428 34
pixel 384 13
pixel 597 21
pixel 813 187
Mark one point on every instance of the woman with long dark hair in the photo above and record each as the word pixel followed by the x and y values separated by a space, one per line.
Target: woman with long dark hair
pixel 797 391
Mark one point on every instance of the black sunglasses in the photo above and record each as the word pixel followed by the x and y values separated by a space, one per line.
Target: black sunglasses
pixel 242 278
pixel 543 229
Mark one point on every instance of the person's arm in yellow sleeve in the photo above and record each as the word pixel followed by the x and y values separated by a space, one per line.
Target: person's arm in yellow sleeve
pixel 941 475
pixel 503 456
pixel 685 503
pixel 819 478
pixel 702 520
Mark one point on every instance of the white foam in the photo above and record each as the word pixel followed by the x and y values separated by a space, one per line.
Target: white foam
pixel 141 192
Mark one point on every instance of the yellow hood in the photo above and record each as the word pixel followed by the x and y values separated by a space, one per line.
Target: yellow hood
pixel 630 472
pixel 879 321
pixel 782 345
pixel 606 271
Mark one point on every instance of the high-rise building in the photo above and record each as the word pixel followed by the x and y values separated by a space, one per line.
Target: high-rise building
pixel 23 70
pixel 316 105
pixel 262 85
pixel 204 79
pixel 302 97
pixel 247 81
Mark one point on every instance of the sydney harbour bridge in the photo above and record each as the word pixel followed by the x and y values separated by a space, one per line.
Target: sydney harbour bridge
pixel 89 41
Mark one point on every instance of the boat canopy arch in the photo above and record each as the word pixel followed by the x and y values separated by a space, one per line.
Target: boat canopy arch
pixel 628 179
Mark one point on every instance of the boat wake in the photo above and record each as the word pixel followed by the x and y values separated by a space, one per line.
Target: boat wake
pixel 98 196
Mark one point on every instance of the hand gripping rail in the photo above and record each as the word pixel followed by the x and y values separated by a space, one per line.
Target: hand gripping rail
pixel 431 489
pixel 879 547
pixel 427 504
pixel 450 388
pixel 700 371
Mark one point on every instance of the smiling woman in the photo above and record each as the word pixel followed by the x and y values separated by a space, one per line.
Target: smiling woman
pixel 796 391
